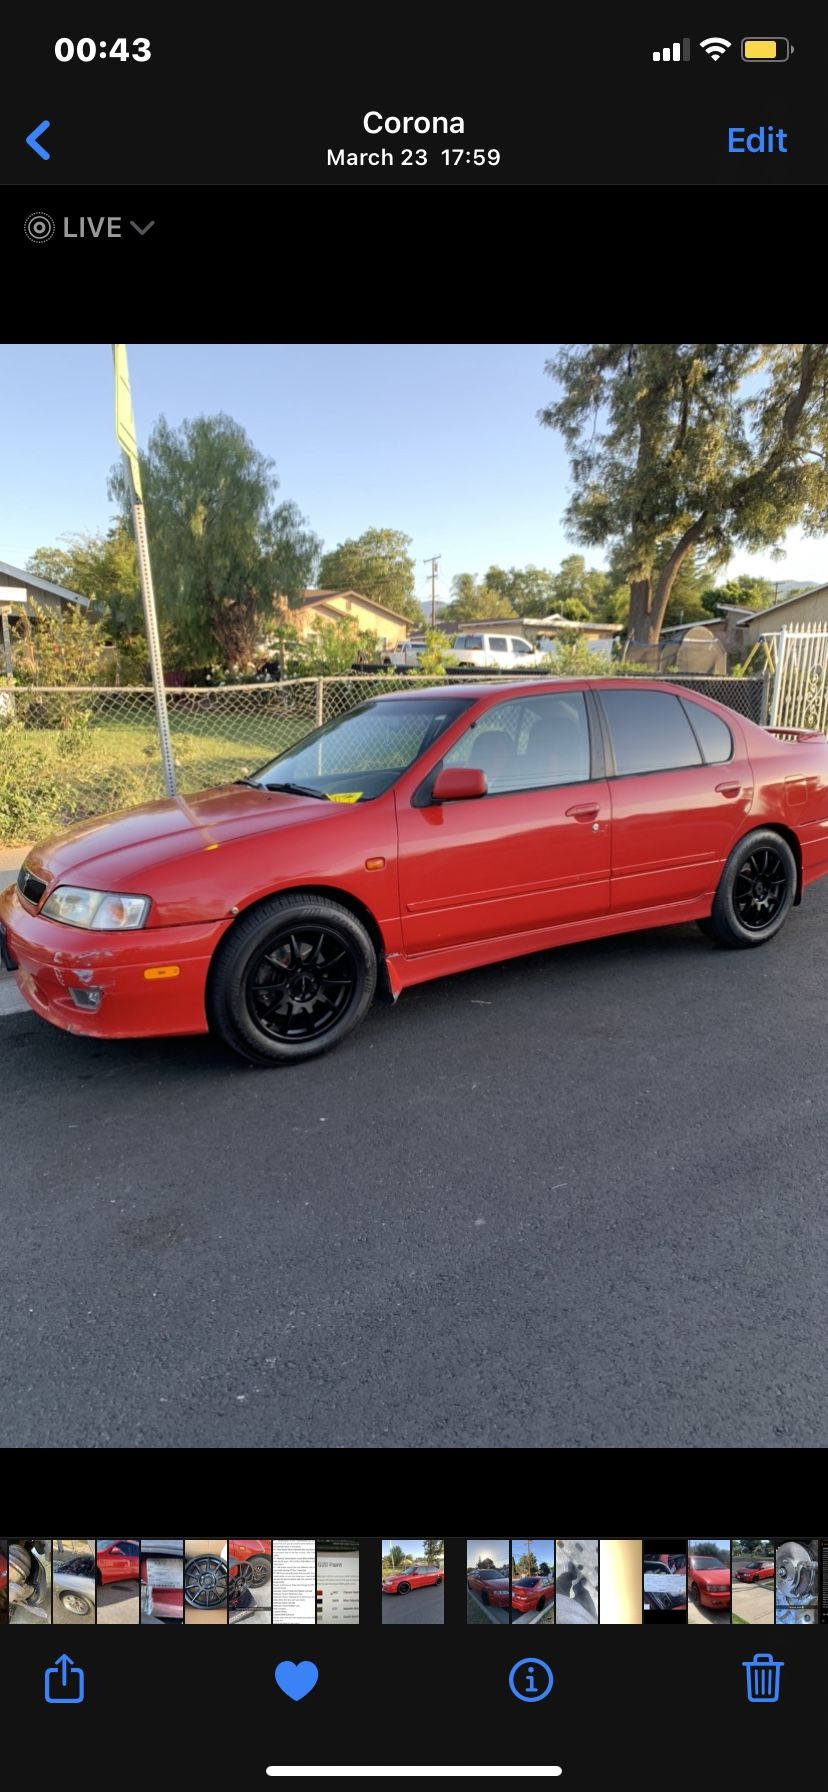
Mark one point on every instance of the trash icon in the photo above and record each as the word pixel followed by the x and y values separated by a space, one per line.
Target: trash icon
pixel 763 1674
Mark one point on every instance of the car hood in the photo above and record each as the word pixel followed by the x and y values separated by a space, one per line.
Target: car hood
pixel 712 1577
pixel 110 851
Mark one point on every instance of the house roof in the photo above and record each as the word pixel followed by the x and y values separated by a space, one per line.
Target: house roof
pixel 315 599
pixel 32 582
pixel 785 602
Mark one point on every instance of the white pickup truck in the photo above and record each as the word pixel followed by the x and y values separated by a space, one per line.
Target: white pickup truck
pixel 407 656
pixel 505 652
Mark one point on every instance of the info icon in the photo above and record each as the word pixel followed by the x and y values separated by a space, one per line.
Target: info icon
pixel 39 227
pixel 531 1680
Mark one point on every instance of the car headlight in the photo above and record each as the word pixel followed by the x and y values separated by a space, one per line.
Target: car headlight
pixel 97 909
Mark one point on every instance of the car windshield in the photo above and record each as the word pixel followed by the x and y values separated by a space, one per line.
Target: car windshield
pixel 528 1580
pixel 359 755
pixel 706 1562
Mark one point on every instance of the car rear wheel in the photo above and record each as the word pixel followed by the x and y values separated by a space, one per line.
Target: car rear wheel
pixel 291 979
pixel 259 1570
pixel 756 891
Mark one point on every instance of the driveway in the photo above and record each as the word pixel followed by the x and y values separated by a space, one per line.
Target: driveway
pixel 630 1133
pixel 753 1601
pixel 423 1607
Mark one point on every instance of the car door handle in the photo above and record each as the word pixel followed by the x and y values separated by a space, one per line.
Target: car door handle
pixel 584 811
pixel 729 789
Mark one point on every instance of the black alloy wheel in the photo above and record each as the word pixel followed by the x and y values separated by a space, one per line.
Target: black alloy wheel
pixel 756 891
pixel 759 892
pixel 205 1582
pixel 291 978
pixel 298 988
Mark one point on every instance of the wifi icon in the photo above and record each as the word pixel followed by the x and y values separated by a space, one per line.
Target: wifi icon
pixel 715 46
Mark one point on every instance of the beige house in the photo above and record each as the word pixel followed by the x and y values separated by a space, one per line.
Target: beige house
pixel 40 591
pixel 809 610
pixel 390 628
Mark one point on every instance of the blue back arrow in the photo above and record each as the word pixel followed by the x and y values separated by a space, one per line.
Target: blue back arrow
pixel 33 143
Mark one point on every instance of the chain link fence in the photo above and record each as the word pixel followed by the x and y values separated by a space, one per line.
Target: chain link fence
pixel 70 752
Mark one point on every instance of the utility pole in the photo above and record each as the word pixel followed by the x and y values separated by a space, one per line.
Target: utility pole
pixel 431 560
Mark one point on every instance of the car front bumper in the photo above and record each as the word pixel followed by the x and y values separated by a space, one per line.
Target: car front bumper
pixel 136 985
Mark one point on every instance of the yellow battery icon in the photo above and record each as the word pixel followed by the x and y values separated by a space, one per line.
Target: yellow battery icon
pixel 766 49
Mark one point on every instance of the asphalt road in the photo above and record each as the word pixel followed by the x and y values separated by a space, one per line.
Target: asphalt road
pixel 577 1199
pixel 425 1606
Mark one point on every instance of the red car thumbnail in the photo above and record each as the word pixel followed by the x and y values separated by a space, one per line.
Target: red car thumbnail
pixel 418 835
pixel 756 1571
pixel 490 1585
pixel 532 1592
pixel 118 1561
pixel 406 1580
pixel 708 1581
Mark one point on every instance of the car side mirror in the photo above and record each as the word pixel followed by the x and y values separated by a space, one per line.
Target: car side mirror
pixel 457 783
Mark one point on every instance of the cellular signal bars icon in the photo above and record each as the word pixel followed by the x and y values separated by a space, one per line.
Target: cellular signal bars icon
pixel 677 52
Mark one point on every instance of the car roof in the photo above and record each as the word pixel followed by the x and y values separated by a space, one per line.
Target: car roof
pixel 534 686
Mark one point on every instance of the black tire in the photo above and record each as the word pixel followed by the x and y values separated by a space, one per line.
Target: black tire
pixel 540 1605
pixel 756 891
pixel 403 1589
pixel 484 1598
pixel 260 1570
pixel 695 1594
pixel 308 938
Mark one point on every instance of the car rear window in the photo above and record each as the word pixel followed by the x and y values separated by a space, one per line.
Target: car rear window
pixel 650 732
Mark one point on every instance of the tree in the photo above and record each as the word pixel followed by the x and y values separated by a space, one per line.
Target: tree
pixel 752 592
pixel 395 1555
pixel 675 446
pixel 433 1548
pixel 221 545
pixel 378 565
pixel 471 602
pixel 529 590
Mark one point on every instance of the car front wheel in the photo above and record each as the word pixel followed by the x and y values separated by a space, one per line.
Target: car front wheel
pixel 756 891
pixel 76 1604
pixel 291 979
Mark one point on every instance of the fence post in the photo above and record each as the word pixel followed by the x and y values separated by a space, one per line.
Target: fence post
pixel 778 673
pixel 764 699
pixel 320 702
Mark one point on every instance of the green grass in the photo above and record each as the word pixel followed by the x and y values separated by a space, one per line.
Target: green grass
pixel 53 777
pixel 735 1619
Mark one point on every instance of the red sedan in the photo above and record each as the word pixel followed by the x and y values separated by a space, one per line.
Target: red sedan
pixel 756 1571
pixel 406 1580
pixel 708 1581
pixel 532 1593
pixel 416 836
pixel 118 1561
pixel 490 1585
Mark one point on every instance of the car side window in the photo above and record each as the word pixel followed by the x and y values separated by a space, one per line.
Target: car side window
pixel 528 744
pixel 649 731
pixel 498 644
pixel 713 735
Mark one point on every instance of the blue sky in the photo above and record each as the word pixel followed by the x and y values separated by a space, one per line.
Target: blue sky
pixel 441 441
pixel 478 1548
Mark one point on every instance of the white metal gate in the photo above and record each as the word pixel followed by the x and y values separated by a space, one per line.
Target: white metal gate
pixel 799 695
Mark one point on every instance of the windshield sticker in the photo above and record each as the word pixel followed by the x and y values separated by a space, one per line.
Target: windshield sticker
pixel 344 796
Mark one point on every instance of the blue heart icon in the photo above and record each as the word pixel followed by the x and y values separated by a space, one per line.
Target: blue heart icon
pixel 296 1678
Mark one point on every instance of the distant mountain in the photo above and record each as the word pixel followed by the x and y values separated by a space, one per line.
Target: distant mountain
pixel 786 586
